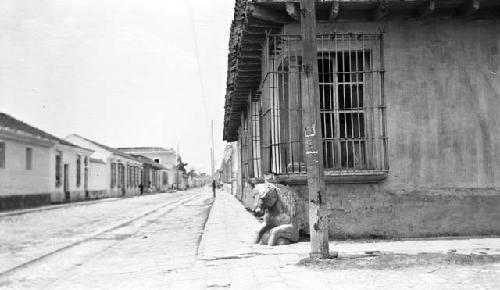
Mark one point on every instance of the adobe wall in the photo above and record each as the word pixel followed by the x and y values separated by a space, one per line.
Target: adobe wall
pixel 372 211
pixel 442 90
pixel 443 103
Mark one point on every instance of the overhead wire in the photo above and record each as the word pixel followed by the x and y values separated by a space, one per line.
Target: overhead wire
pixel 200 77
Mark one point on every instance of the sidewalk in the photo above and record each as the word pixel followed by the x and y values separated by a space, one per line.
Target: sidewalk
pixel 227 258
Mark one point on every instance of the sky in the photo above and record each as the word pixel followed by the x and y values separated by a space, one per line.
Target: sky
pixel 121 72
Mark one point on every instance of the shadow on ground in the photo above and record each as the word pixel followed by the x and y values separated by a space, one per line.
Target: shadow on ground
pixel 382 261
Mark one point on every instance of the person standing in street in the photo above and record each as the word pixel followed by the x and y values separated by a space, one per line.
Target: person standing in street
pixel 141 188
pixel 214 186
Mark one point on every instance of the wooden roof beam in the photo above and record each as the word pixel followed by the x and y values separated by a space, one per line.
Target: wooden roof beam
pixel 259 24
pixel 268 14
pixel 250 54
pixel 293 10
pixel 255 68
pixel 249 70
pixel 246 86
pixel 250 74
pixel 334 11
pixel 253 40
pixel 244 61
pixel 245 83
pixel 468 8
pixel 426 9
pixel 381 11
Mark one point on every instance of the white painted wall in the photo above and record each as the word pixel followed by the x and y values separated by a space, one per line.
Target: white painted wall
pixel 99 152
pixel 69 157
pixel 98 177
pixel 15 179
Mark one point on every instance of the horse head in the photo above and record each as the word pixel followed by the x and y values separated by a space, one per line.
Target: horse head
pixel 266 196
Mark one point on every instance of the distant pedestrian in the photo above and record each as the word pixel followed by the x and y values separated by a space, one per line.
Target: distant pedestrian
pixel 141 188
pixel 214 186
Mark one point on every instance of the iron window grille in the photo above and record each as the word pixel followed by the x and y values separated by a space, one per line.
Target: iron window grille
pixel 113 175
pixel 165 178
pixel 352 105
pixel 78 170
pixel 121 175
pixel 58 168
pixel 2 155
pixel 250 142
pixel 29 158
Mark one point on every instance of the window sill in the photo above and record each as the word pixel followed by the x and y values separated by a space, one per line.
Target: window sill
pixel 334 177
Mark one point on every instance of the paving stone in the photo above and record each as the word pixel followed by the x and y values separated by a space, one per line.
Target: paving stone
pixel 163 254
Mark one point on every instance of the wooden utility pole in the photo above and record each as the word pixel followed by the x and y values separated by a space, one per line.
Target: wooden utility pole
pixel 212 158
pixel 177 168
pixel 318 219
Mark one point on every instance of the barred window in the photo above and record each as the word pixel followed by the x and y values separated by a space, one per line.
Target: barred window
pixel 165 178
pixel 121 175
pixel 245 147
pixel 155 178
pixel 113 175
pixel 58 168
pixel 352 108
pixel 29 158
pixel 2 155
pixel 342 91
pixel 78 170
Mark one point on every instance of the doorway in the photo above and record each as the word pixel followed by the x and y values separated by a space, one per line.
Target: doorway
pixel 86 182
pixel 66 182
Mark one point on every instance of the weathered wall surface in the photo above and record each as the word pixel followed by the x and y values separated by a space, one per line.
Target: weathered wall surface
pixel 442 90
pixel 69 157
pixel 15 178
pixel 370 211
pixel 443 103
pixel 20 187
pixel 99 179
pixel 235 170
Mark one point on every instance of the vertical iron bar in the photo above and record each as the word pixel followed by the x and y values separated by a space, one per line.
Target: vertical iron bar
pixel 382 99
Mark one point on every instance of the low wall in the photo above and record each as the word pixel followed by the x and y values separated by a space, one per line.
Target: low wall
pixel 365 211
pixel 23 201
pixel 96 194
pixel 74 195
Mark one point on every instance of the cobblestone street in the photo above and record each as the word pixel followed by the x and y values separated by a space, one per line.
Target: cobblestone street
pixel 133 243
pixel 162 242
pixel 230 260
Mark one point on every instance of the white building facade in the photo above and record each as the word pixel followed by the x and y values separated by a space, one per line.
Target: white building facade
pixel 37 168
pixel 114 173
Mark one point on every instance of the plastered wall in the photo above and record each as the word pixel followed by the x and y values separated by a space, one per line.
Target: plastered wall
pixel 442 89
pixel 15 179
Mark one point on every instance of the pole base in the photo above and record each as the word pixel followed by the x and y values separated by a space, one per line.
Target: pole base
pixel 331 255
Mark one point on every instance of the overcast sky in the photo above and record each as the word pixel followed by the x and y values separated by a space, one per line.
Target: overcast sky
pixel 121 72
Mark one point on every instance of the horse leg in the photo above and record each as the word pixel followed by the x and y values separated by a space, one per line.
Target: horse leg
pixel 259 234
pixel 287 231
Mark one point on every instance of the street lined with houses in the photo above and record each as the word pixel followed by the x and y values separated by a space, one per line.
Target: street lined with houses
pixel 35 242
pixel 38 168
pixel 333 144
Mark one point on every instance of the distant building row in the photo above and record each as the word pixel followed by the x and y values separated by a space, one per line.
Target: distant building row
pixel 38 168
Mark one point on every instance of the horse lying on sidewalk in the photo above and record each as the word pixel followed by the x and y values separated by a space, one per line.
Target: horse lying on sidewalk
pixel 277 203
